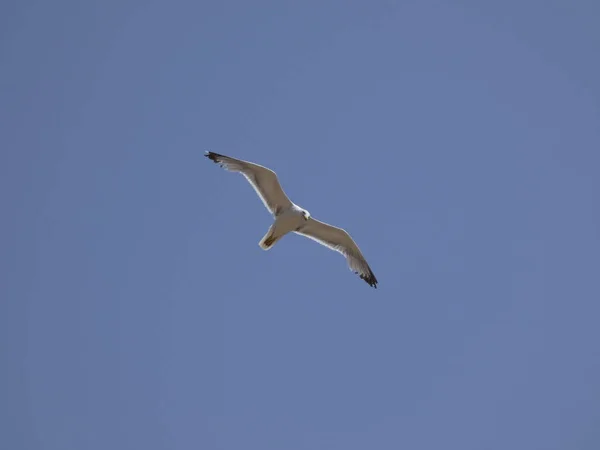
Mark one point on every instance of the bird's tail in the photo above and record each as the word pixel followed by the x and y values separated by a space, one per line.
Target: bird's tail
pixel 269 239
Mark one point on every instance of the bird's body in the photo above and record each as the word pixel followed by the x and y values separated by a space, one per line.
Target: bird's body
pixel 286 221
pixel 289 217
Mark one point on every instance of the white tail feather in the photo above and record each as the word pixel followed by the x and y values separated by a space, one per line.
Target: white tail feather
pixel 269 239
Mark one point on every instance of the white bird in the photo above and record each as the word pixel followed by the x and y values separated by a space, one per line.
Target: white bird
pixel 289 217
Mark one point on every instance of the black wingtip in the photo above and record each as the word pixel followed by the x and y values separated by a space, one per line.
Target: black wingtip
pixel 214 157
pixel 370 279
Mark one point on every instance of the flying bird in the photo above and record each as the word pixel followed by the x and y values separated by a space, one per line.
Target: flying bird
pixel 289 217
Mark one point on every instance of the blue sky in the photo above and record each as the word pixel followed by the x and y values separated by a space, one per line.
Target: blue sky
pixel 459 144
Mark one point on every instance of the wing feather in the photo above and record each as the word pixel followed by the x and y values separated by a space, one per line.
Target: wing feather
pixel 263 180
pixel 339 240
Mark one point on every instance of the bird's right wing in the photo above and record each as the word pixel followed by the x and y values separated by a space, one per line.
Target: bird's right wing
pixel 263 180
pixel 339 240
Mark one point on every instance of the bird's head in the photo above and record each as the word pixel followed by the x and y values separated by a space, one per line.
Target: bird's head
pixel 306 214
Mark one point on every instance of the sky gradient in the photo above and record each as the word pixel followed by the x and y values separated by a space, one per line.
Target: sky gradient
pixel 458 143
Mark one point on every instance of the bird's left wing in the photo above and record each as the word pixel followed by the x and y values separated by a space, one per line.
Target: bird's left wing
pixel 263 180
pixel 339 240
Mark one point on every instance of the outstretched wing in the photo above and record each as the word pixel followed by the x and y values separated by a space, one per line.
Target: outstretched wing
pixel 339 240
pixel 263 180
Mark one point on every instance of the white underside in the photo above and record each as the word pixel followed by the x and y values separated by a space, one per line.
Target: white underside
pixel 286 222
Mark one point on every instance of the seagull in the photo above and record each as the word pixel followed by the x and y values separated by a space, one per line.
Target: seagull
pixel 289 217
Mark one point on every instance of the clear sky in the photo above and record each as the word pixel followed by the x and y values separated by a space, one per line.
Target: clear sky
pixel 459 144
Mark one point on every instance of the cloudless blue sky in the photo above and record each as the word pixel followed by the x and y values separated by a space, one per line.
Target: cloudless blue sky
pixel 459 144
